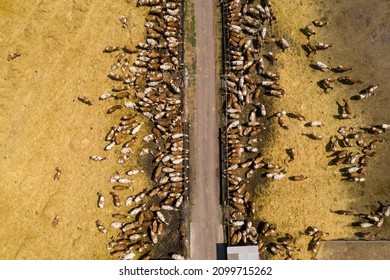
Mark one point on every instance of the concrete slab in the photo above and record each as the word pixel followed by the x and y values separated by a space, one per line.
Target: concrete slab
pixel 354 250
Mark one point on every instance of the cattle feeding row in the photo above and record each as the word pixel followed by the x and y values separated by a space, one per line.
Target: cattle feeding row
pixel 249 82
pixel 148 92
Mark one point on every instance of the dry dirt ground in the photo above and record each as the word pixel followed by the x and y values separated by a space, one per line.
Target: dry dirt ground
pixel 355 250
pixel 44 126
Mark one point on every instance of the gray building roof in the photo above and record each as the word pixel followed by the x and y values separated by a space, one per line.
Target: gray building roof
pixel 243 253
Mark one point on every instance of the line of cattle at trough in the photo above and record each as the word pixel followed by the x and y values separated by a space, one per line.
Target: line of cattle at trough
pixel 148 89
pixel 250 81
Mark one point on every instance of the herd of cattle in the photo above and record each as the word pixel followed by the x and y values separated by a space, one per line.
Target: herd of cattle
pixel 343 150
pixel 353 146
pixel 249 79
pixel 248 82
pixel 149 82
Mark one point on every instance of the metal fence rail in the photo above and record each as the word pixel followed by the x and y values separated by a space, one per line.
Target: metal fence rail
pixel 185 124
pixel 224 120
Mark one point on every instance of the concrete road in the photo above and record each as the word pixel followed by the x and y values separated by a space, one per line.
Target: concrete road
pixel 206 228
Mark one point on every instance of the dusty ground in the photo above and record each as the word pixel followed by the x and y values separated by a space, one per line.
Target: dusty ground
pixel 43 126
pixel 360 38
pixel 206 228
pixel 355 250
